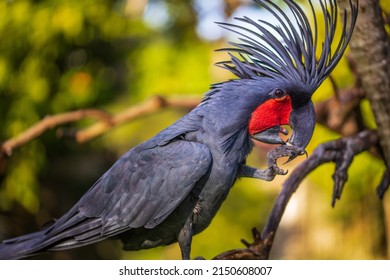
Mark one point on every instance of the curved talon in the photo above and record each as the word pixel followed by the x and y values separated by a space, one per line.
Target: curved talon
pixel 274 169
pixel 296 152
pixel 279 171
pixel 282 172
pixel 289 151
pixel 290 158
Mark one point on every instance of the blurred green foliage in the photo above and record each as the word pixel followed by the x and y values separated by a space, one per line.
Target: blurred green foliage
pixel 61 55
pixel 55 56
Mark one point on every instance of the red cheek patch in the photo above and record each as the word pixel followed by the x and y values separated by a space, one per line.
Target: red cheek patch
pixel 269 114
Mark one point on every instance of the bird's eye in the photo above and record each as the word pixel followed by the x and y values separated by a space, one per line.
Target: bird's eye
pixel 279 93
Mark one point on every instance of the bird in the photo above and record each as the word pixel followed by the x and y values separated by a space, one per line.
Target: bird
pixel 169 188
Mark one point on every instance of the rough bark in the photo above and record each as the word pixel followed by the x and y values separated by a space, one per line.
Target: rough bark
pixel 370 49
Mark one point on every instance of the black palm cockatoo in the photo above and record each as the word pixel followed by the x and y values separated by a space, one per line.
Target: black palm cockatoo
pixel 169 188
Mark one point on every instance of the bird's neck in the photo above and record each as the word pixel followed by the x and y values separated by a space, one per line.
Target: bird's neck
pixel 226 123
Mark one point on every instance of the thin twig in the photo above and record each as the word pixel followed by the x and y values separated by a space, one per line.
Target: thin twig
pixel 105 122
pixel 151 106
pixel 50 122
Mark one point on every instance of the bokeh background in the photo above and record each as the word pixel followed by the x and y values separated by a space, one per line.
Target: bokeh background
pixel 63 55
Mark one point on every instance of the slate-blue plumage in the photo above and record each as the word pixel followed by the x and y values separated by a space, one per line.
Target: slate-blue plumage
pixel 170 187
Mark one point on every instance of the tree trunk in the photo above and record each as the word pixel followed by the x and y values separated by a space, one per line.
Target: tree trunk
pixel 370 50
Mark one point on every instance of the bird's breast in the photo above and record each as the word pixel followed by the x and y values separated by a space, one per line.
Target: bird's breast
pixel 215 191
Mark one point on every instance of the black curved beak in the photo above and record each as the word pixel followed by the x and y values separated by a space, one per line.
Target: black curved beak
pixel 271 135
pixel 302 122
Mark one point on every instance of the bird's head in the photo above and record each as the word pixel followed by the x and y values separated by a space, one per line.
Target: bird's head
pixel 290 58
pixel 287 105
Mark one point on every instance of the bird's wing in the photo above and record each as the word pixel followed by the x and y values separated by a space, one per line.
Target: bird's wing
pixel 140 190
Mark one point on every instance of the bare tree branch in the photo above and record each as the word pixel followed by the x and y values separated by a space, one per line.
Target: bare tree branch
pixel 341 113
pixel 258 250
pixel 50 122
pixel 151 106
pixel 341 152
pixel 105 122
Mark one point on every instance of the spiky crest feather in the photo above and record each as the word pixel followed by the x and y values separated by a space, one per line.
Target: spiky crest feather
pixel 286 50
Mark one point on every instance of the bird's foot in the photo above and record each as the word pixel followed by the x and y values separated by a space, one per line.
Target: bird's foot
pixel 282 151
pixel 273 168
